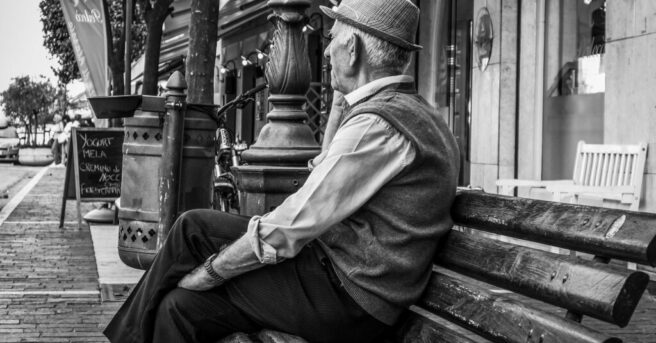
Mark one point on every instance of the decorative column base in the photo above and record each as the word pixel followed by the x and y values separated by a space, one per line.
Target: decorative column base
pixel 263 188
pixel 286 140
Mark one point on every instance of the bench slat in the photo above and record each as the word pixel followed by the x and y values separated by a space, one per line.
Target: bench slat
pixel 263 336
pixel 613 233
pixel 602 291
pixel 418 329
pixel 499 318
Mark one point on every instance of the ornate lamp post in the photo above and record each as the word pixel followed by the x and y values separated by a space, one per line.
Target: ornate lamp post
pixel 276 165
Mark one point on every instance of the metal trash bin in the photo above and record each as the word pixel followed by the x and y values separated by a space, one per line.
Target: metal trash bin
pixel 139 240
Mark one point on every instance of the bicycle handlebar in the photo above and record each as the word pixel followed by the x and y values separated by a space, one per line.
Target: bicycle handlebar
pixel 239 102
pixel 241 99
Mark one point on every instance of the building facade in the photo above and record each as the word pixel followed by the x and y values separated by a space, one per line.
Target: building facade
pixel 558 71
pixel 520 82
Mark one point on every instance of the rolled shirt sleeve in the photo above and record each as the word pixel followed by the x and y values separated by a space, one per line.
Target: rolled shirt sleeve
pixel 364 155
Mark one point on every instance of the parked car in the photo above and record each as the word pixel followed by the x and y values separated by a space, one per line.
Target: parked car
pixel 9 143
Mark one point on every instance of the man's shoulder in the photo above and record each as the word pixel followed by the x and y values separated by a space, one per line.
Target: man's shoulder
pixel 392 103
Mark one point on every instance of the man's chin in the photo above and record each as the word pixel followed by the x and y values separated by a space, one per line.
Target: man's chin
pixel 335 86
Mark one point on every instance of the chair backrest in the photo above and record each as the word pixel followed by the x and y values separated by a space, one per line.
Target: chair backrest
pixel 608 165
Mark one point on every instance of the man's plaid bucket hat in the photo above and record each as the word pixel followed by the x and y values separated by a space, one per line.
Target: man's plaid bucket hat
pixel 394 21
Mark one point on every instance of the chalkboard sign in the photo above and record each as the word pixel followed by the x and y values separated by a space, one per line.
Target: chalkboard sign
pixel 94 164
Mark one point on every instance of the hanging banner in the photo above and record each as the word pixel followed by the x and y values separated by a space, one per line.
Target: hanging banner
pixel 85 20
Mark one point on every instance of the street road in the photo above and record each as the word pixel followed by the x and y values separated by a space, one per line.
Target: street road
pixel 12 178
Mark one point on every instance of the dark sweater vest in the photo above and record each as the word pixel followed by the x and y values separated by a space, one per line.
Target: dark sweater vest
pixel 383 252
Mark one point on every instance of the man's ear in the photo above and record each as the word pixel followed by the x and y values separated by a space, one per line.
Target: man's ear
pixel 354 46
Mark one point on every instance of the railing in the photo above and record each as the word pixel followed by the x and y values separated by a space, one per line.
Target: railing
pixel 318 104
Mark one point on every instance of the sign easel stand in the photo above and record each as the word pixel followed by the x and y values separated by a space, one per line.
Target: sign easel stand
pixel 67 184
pixel 106 159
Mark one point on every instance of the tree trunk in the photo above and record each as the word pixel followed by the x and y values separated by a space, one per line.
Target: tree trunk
pixel 43 127
pixel 116 68
pixel 117 78
pixel 116 51
pixel 202 50
pixel 28 134
pixel 154 19
pixel 36 128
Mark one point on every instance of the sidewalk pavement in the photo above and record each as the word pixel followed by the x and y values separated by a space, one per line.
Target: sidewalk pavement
pixel 64 285
pixel 50 288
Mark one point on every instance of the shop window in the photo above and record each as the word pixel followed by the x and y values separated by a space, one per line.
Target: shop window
pixel 576 45
pixel 574 82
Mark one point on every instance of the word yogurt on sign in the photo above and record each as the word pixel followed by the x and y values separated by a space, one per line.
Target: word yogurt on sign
pixel 94 142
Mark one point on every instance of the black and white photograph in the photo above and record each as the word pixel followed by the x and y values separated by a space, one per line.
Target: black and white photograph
pixel 328 171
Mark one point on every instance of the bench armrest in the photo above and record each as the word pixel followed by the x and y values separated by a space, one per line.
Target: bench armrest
pixel 603 192
pixel 508 185
pixel 597 190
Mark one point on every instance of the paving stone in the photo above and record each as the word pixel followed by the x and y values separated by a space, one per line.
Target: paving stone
pixel 57 265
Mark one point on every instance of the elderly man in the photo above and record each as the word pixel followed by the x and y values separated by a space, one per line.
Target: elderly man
pixel 339 260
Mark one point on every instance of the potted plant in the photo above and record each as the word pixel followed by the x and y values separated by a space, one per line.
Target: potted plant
pixel 32 104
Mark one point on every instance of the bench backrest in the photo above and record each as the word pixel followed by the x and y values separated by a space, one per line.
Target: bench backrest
pixel 610 165
pixel 467 263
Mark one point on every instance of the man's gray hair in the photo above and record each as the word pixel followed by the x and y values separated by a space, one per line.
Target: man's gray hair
pixel 381 54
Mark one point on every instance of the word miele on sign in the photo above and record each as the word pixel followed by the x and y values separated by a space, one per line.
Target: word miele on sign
pixel 88 16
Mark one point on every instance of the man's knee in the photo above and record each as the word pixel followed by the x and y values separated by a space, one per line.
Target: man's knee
pixel 191 215
pixel 174 304
pixel 227 225
pixel 188 221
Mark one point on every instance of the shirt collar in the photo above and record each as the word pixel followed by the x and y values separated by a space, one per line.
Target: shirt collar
pixel 374 86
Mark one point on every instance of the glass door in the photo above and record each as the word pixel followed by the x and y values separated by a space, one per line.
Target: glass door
pixel 443 69
pixel 574 82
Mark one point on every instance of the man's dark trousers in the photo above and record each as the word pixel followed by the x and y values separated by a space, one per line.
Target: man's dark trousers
pixel 301 296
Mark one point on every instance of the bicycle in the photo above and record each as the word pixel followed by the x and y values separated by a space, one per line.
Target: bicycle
pixel 228 154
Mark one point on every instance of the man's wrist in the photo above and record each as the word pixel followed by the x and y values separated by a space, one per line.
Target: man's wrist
pixel 218 279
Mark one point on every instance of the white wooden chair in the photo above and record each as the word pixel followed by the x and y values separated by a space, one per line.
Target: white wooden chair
pixel 601 171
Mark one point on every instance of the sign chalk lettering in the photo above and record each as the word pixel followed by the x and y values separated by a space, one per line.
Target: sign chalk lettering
pixel 94 167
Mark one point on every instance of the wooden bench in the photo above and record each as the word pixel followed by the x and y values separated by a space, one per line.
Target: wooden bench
pixel 487 290
pixel 602 172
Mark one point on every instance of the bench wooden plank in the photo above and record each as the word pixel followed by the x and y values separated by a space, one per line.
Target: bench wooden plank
pixel 609 293
pixel 416 328
pixel 499 318
pixel 625 235
pixel 263 336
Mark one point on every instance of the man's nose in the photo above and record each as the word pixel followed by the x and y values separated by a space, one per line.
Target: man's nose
pixel 326 52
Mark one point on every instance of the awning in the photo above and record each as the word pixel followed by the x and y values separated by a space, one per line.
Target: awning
pixel 233 14
pixel 175 40
pixel 236 13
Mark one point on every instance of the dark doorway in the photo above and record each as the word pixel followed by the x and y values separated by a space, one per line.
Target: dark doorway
pixel 459 61
pixel 249 80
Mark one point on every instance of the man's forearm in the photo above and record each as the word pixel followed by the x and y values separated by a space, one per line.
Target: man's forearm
pixel 236 259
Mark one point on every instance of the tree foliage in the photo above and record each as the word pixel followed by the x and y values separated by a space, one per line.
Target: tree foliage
pixel 57 40
pixel 31 103
pixel 117 22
